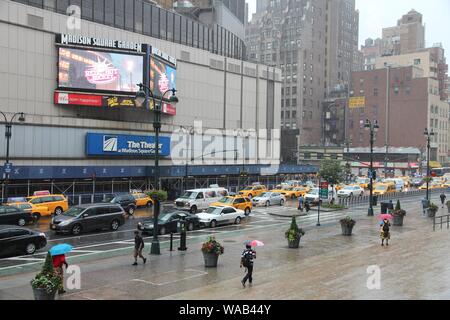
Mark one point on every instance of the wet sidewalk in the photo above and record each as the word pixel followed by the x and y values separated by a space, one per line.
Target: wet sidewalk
pixel 327 266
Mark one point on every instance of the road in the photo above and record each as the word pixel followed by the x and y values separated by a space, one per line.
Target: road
pixel 95 245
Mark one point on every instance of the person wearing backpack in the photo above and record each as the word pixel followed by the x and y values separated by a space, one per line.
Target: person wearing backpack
pixel 384 232
pixel 247 261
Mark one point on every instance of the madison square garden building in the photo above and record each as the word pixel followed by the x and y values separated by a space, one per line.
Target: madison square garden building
pixel 76 82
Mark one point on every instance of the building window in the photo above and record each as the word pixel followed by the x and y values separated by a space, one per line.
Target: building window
pixel 416 62
pixel 408 90
pixel 375 92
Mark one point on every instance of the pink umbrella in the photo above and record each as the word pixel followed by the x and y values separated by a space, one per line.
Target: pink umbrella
pixel 385 216
pixel 255 243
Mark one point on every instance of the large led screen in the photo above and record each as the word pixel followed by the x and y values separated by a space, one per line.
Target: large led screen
pixel 162 78
pixel 99 71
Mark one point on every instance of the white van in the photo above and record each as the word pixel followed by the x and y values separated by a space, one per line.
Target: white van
pixel 200 199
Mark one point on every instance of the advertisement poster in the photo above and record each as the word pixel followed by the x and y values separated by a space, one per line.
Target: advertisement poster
pixel 100 144
pixel 101 71
pixel 162 78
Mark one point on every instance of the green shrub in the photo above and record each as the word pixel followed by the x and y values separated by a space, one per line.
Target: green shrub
pixel 158 195
pixel 348 221
pixel 47 279
pixel 294 232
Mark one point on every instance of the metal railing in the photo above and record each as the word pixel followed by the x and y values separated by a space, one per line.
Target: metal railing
pixel 351 201
pixel 441 221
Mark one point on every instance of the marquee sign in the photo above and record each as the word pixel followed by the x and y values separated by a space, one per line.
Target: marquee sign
pixel 70 39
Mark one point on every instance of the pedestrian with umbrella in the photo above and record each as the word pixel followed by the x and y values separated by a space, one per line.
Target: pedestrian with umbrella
pixel 58 253
pixel 247 260
pixel 385 233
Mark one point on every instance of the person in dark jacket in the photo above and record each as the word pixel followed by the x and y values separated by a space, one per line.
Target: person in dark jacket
pixel 443 197
pixel 138 247
pixel 247 261
pixel 385 233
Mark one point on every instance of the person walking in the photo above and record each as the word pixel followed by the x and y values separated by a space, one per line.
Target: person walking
pixel 58 262
pixel 138 247
pixel 307 206
pixel 385 233
pixel 443 197
pixel 300 203
pixel 247 261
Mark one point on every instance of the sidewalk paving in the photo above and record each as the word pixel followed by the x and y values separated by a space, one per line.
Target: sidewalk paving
pixel 327 266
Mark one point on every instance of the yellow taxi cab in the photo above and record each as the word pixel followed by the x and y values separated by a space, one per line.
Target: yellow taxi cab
pixel 237 202
pixel 340 186
pixel 253 191
pixel 55 203
pixel 363 182
pixel 383 188
pixel 295 192
pixel 36 211
pixel 142 200
pixel 431 185
pixel 446 184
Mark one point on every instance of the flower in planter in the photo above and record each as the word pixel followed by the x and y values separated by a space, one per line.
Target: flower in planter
pixel 294 232
pixel 212 246
pixel 448 203
pixel 47 279
pixel 348 221
pixel 398 211
pixel 433 207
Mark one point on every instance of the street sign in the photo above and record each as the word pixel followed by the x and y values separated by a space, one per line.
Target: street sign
pixel 357 102
pixel 323 190
pixel 7 168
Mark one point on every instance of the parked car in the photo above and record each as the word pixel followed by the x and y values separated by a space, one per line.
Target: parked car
pixel 142 200
pixel 36 211
pixel 238 202
pixel 14 216
pixel 89 217
pixel 200 199
pixel 55 203
pixel 125 200
pixel 351 191
pixel 168 223
pixel 16 240
pixel 269 198
pixel 215 216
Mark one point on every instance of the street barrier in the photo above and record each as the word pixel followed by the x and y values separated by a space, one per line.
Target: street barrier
pixel 441 218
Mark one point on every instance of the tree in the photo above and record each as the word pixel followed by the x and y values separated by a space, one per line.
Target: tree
pixel 331 171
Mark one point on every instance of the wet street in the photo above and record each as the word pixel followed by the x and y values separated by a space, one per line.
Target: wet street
pixel 327 266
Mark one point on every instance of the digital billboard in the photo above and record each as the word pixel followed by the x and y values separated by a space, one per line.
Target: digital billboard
pixel 94 70
pixel 162 77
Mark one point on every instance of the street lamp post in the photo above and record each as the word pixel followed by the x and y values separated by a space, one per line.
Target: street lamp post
pixel 8 135
pixel 372 128
pixel 141 98
pixel 428 135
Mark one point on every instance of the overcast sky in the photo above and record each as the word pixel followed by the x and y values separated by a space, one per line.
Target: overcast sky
pixel 375 15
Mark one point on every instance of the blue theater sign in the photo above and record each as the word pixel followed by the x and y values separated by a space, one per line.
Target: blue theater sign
pixel 100 144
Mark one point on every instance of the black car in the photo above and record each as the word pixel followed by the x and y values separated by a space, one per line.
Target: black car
pixel 12 215
pixel 89 217
pixel 18 240
pixel 417 182
pixel 125 200
pixel 168 223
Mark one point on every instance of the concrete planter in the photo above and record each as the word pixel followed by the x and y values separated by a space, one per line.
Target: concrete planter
pixel 398 220
pixel 42 294
pixel 448 209
pixel 294 244
pixel 210 260
pixel 431 213
pixel 346 229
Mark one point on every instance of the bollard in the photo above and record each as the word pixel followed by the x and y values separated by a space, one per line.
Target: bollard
pixel 171 241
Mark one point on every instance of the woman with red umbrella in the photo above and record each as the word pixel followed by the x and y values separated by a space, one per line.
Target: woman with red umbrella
pixel 385 232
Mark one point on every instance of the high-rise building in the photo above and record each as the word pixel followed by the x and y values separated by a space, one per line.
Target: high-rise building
pixel 229 14
pixel 261 5
pixel 414 103
pixel 431 61
pixel 342 55
pixel 408 36
pixel 371 50
pixel 315 44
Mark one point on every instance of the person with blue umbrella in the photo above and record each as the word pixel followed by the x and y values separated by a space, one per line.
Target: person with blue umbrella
pixel 58 253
